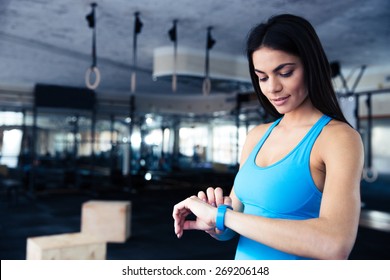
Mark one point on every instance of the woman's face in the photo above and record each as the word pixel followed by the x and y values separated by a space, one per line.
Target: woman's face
pixel 281 78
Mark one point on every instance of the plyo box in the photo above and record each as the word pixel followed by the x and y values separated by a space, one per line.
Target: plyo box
pixel 109 221
pixel 68 246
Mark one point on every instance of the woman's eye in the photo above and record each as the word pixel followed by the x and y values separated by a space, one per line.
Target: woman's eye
pixel 285 75
pixel 263 79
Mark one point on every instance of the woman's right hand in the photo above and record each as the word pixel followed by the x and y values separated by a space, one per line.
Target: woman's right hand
pixel 214 197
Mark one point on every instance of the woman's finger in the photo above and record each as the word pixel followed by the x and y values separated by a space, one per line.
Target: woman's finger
pixel 227 200
pixel 218 196
pixel 211 196
pixel 202 196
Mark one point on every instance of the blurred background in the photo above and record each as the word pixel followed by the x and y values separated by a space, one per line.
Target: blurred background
pixel 150 101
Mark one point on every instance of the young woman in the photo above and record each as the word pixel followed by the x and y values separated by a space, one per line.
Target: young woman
pixel 297 193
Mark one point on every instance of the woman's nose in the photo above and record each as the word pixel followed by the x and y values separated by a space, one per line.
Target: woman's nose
pixel 274 85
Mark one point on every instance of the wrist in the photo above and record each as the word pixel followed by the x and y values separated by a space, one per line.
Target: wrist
pixel 220 218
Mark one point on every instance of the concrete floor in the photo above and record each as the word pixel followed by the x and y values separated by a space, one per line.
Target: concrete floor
pixel 59 211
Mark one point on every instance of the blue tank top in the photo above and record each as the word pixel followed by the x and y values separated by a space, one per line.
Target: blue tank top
pixel 283 190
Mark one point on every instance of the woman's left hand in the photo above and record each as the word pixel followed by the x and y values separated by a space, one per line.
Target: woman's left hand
pixel 204 212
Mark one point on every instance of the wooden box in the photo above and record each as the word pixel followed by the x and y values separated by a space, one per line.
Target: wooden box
pixel 69 246
pixel 108 220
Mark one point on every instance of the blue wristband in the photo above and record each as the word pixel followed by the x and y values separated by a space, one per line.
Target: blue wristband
pixel 220 219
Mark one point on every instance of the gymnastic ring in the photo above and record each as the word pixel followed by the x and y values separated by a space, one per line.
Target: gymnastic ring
pixel 370 174
pixel 206 86
pixel 90 70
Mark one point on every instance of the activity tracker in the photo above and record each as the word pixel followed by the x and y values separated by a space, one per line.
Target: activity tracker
pixel 220 220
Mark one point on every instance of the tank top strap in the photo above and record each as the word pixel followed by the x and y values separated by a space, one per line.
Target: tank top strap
pixel 317 127
pixel 314 132
pixel 262 139
pixel 269 130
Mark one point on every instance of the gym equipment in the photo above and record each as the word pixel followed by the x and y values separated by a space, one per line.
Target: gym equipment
pixel 108 221
pixel 68 246
pixel 93 70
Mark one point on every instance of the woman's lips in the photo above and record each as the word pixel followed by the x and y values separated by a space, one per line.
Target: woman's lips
pixel 280 100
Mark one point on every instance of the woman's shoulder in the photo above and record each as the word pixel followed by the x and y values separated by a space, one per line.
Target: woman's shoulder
pixel 258 131
pixel 340 129
pixel 338 134
pixel 253 137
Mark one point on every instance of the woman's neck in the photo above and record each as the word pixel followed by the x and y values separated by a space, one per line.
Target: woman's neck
pixel 304 115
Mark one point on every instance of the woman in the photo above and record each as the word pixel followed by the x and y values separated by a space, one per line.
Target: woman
pixel 297 193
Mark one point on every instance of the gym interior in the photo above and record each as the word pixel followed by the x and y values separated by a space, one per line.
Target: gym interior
pixel 148 103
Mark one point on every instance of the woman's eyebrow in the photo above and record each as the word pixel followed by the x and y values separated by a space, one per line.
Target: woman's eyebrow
pixel 281 66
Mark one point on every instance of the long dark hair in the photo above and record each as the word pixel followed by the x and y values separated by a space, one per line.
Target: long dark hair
pixel 296 36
